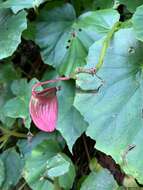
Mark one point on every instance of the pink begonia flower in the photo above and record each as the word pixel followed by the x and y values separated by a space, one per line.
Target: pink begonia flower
pixel 44 106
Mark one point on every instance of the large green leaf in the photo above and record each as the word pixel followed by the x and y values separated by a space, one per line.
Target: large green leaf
pixel 101 180
pixel 64 39
pixel 18 107
pixel 116 121
pixel 17 5
pixel 36 162
pixel 11 28
pixel 13 168
pixel 137 23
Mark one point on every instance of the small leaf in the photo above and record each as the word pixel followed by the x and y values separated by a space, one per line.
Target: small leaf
pixel 57 166
pixel 87 82
pixel 102 180
pixel 69 175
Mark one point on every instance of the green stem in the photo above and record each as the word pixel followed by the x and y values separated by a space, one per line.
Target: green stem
pixel 9 133
pixel 16 134
pixel 3 138
pixel 3 143
pixel 36 10
pixel 56 184
pixel 106 44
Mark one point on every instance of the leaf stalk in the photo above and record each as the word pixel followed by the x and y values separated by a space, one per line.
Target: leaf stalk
pixel 106 44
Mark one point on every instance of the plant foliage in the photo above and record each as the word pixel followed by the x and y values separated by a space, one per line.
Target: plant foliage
pixel 98 45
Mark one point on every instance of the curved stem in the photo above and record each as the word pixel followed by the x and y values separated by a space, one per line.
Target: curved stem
pixel 49 81
pixel 106 44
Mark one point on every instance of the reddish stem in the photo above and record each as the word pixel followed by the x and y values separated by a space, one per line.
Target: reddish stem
pixel 47 82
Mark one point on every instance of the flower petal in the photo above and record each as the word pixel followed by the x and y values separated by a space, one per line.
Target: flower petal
pixel 44 109
pixel 43 105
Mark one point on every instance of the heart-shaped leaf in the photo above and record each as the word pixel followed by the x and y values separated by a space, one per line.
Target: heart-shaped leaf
pixel 64 39
pixel 116 121
pixel 11 28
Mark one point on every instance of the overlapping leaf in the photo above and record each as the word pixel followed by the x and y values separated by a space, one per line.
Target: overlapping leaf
pixel 104 4
pixel 17 5
pixel 116 121
pixel 25 147
pixel 7 74
pixel 61 166
pixel 131 5
pixel 13 165
pixel 70 122
pixel 64 39
pixel 18 107
pixel 137 23
pixel 11 28
pixel 35 167
pixel 102 180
